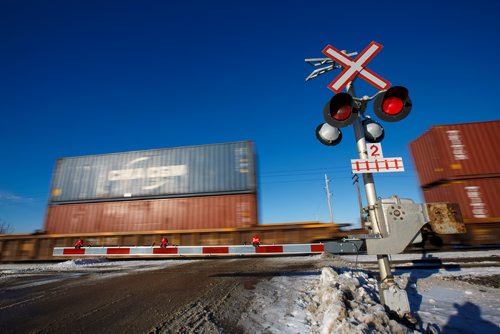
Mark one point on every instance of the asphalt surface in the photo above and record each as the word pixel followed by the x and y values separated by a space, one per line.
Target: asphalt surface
pixel 207 296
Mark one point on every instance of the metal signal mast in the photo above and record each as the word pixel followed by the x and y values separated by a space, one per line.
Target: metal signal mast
pixel 392 223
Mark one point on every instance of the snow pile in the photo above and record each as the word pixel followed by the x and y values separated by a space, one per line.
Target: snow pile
pixel 347 302
pixel 342 300
pixel 326 301
pixel 279 305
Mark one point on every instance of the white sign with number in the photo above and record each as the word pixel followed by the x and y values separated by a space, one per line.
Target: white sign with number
pixel 374 151
pixel 383 165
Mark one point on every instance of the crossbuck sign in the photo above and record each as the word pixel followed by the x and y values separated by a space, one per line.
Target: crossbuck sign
pixel 355 67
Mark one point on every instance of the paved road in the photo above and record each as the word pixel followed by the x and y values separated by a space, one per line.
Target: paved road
pixel 205 296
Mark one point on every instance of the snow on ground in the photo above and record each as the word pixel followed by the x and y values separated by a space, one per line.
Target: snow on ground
pixel 343 300
pixel 103 268
pixel 340 299
pixel 91 264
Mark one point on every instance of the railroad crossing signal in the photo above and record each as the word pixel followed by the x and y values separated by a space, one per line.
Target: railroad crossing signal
pixel 343 109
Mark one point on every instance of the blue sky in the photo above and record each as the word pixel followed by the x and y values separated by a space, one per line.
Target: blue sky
pixel 91 77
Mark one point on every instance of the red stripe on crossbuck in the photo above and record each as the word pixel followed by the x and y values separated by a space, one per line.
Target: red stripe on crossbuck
pixel 215 250
pixel 117 251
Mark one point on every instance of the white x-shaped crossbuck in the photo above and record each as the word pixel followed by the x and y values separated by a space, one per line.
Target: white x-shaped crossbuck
pixel 355 67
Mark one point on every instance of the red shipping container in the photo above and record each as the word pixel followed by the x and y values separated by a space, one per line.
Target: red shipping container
pixel 450 152
pixel 185 213
pixel 478 198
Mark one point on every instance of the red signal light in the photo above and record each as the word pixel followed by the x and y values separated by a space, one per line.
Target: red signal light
pixel 393 105
pixel 343 113
pixel 340 112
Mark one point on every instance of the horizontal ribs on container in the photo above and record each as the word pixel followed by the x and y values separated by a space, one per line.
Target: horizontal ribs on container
pixel 204 212
pixel 158 173
pixel 478 198
pixel 459 151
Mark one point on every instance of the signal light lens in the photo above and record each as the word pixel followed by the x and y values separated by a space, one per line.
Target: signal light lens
pixel 340 112
pixel 374 132
pixel 343 113
pixel 392 105
pixel 328 135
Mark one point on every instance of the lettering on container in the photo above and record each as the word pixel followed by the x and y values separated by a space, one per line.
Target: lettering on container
pixel 456 144
pixel 476 202
pixel 243 213
pixel 241 157
pixel 143 173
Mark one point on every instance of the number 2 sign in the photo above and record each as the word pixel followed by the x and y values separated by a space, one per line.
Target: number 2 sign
pixel 374 150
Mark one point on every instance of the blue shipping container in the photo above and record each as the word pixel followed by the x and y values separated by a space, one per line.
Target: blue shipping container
pixel 159 173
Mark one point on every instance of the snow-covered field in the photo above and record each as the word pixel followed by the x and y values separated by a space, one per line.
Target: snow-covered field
pixel 338 299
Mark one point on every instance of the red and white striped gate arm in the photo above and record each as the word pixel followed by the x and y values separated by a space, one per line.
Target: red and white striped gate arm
pixel 190 250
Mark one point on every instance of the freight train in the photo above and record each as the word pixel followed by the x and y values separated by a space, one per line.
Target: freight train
pixel 38 247
pixel 207 195
pixel 196 195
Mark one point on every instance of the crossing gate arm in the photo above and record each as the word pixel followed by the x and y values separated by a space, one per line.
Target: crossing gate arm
pixel 156 251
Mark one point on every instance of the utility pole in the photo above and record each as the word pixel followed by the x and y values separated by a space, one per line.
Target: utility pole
pixel 328 196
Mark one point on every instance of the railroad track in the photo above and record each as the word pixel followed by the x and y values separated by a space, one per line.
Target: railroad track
pixel 437 263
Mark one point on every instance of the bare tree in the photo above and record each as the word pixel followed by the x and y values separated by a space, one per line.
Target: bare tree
pixel 5 227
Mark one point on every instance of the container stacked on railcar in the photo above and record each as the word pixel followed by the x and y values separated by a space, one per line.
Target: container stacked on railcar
pixel 460 163
pixel 206 186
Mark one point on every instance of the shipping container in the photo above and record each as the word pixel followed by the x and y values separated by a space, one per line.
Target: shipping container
pixel 450 152
pixel 204 212
pixel 159 173
pixel 479 199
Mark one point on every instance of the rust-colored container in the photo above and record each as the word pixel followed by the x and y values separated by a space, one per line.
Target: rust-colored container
pixel 183 213
pixel 450 152
pixel 479 199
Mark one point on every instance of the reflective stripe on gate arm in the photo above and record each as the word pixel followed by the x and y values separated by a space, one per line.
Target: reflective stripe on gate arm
pixel 189 250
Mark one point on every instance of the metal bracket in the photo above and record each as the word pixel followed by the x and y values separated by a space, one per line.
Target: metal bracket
pixel 332 65
pixel 402 219
pixel 395 298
